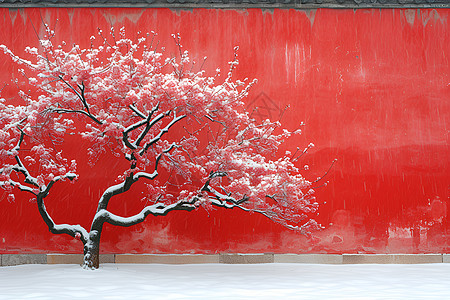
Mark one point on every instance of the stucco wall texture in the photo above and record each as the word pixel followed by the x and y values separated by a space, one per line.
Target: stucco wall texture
pixel 372 87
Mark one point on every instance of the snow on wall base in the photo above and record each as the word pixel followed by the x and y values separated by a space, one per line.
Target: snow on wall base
pixel 227 258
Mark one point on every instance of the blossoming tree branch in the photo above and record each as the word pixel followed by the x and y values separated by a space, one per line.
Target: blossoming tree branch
pixel 161 117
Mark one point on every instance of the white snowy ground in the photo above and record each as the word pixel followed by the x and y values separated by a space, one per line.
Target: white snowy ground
pixel 220 281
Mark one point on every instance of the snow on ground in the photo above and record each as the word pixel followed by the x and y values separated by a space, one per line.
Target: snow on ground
pixel 220 281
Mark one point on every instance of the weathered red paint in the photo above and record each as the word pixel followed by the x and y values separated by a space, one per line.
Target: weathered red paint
pixel 372 87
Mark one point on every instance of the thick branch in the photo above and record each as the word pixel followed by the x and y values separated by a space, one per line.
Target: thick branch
pixel 20 167
pixel 137 111
pixel 72 230
pixel 158 209
pixel 146 175
pixel 46 190
pixel 20 186
pixel 115 190
pixel 129 181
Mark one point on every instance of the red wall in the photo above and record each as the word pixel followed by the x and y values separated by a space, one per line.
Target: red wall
pixel 372 87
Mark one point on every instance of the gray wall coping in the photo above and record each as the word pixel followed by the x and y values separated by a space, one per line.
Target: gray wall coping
pixel 230 4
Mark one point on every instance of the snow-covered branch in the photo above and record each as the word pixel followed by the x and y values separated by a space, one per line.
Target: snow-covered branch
pixel 306 228
pixel 162 132
pixel 115 190
pixel 88 114
pixel 19 167
pixel 46 189
pixel 137 111
pixel 158 209
pixel 20 186
pixel 76 231
pixel 149 124
pixel 18 59
pixel 146 175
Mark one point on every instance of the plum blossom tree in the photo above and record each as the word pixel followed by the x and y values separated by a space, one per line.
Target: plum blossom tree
pixel 158 115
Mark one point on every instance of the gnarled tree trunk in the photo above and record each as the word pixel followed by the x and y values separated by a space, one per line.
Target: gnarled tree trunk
pixel 92 250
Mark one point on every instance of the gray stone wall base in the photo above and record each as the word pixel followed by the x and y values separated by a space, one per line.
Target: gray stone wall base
pixel 167 258
pixel 308 258
pixel 227 258
pixel 77 258
pixel 22 259
pixel 392 258
pixel 446 258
